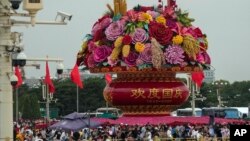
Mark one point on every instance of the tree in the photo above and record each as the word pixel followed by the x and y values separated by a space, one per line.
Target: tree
pixel 90 98
pixel 29 106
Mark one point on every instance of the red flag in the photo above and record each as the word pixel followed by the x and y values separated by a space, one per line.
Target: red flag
pixel 75 76
pixel 47 79
pixel 198 77
pixel 108 78
pixel 19 77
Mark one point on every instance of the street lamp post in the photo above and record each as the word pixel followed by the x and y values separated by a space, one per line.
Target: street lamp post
pixel 6 41
pixel 219 84
pixel 194 90
pixel 48 97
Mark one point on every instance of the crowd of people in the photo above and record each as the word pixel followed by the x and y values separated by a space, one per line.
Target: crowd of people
pixel 26 131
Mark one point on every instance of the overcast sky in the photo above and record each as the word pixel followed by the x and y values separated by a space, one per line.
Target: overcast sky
pixel 226 23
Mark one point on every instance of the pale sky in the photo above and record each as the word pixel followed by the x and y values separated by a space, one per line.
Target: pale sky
pixel 226 23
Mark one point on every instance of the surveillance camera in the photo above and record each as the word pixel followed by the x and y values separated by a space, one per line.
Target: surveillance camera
pixel 64 15
pixel 13 80
pixel 60 68
pixel 15 3
pixel 21 59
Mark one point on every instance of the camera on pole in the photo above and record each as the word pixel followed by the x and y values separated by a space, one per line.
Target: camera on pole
pixel 15 3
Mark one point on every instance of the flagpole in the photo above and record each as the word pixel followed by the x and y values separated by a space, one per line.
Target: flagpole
pixel 77 100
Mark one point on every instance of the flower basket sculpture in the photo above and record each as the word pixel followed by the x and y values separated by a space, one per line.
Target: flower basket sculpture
pixel 145 47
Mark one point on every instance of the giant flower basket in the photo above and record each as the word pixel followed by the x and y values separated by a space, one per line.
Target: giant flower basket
pixel 146 47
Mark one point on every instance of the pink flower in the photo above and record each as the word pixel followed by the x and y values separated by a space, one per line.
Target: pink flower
pixel 203 58
pixel 140 35
pixel 139 62
pixel 91 61
pixel 131 59
pixel 114 30
pixel 154 14
pixel 105 23
pixel 101 24
pixel 146 55
pixel 174 54
pixel 133 16
pixel 95 28
pixel 91 46
pixel 101 53
pixel 112 62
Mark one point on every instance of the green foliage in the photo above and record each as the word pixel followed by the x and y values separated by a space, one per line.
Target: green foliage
pixel 90 97
pixel 29 106
pixel 236 94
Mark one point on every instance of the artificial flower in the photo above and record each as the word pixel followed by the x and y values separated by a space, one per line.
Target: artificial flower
pixel 125 50
pixel 203 58
pixel 91 46
pixel 114 30
pixel 127 40
pixel 145 17
pixel 139 47
pixel 84 46
pixel 140 35
pixel 172 25
pixel 174 54
pixel 154 14
pixel 145 37
pixel 101 53
pixel 132 15
pixel 160 32
pixel 177 40
pixel 160 19
pixel 146 54
pixel 131 59
pixel 112 62
pixel 190 46
pixel 118 41
pixel 90 60
pixel 115 53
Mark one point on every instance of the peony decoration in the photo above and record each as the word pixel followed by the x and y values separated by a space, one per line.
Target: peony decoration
pixel 145 37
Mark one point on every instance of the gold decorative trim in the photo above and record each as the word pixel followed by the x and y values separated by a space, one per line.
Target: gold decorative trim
pixel 147 109
pixel 124 69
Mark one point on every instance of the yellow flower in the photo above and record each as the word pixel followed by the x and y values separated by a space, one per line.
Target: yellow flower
pixel 145 17
pixel 139 47
pixel 115 53
pixel 84 46
pixel 177 40
pixel 118 42
pixel 190 46
pixel 125 50
pixel 161 20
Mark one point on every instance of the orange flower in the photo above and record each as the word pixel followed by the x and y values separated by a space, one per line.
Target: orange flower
pixel 139 47
pixel 145 17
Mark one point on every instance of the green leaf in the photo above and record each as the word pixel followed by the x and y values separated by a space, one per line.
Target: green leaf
pixel 105 63
pixel 117 17
pixel 146 27
pixel 140 24
pixel 88 37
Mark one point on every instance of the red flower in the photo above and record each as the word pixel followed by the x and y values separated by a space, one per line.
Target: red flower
pixel 146 8
pixel 126 40
pixel 160 32
pixel 99 35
